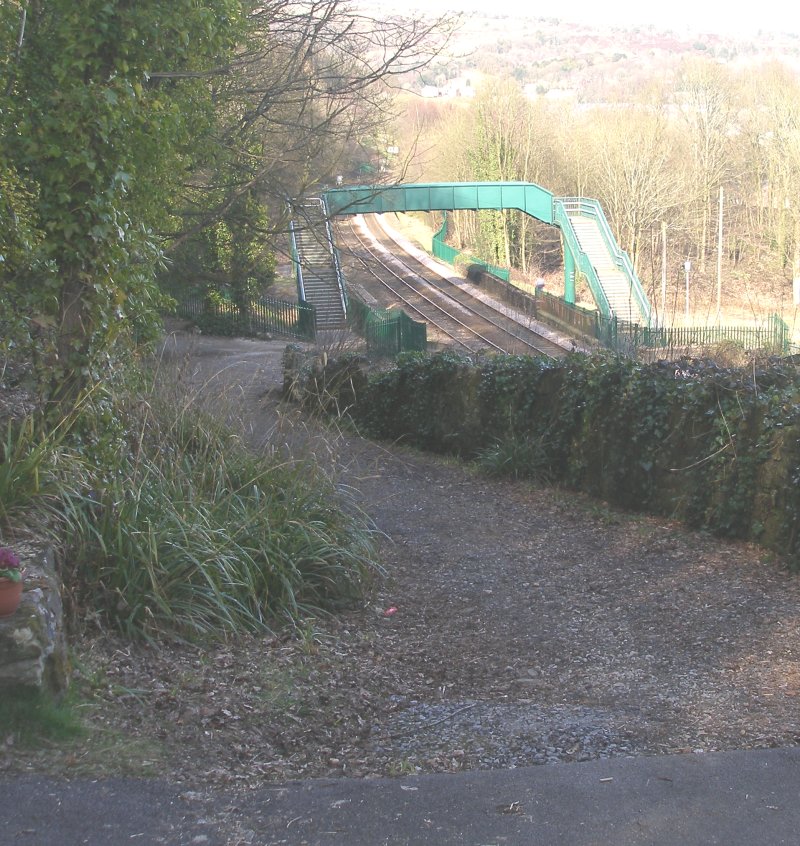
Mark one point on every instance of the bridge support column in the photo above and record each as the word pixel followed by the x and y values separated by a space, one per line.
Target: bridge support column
pixel 569 275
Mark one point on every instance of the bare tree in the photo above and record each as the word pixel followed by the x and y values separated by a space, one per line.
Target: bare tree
pixel 310 86
pixel 774 127
pixel 704 97
pixel 635 173
pixel 498 136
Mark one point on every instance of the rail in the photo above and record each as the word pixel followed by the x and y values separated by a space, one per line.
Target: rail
pixel 337 265
pixel 298 270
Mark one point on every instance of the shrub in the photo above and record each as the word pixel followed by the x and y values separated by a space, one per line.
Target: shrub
pixel 194 535
pixel 169 523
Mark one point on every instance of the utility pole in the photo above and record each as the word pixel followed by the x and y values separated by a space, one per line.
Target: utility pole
pixel 719 258
pixel 663 272
pixel 687 266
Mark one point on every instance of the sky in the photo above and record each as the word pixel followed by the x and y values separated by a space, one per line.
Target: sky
pixel 740 17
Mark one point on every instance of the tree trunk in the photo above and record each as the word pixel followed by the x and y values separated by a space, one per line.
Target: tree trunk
pixel 68 377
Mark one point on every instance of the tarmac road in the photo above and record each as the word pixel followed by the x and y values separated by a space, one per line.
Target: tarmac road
pixel 747 798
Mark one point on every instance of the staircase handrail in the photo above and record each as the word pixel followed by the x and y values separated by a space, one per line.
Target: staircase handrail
pixel 301 291
pixel 337 266
pixel 587 207
pixel 582 261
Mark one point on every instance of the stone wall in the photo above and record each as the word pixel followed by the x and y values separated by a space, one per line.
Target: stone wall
pixel 718 448
pixel 33 649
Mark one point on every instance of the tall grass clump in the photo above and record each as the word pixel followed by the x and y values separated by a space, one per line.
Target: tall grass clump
pixel 23 458
pixel 36 466
pixel 193 535
pixel 518 457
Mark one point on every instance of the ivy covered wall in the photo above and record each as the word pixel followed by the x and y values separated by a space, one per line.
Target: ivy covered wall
pixel 716 448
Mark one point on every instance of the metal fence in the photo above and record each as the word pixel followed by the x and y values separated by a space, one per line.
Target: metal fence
pixel 631 338
pixel 449 254
pixel 264 316
pixel 389 331
pixel 773 334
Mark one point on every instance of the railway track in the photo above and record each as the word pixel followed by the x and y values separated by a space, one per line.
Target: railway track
pixel 455 318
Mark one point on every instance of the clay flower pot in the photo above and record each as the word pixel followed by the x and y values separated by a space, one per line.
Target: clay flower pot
pixel 10 582
pixel 10 596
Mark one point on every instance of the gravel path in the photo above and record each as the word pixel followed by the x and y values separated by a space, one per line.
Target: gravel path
pixel 530 626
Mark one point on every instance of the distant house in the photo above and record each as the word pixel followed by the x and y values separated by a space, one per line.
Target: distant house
pixel 458 88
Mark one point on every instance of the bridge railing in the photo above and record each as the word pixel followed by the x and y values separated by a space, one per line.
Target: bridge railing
pixel 337 265
pixel 298 269
pixel 591 208
pixel 582 261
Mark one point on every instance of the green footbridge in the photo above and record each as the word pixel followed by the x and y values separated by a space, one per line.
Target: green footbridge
pixel 589 246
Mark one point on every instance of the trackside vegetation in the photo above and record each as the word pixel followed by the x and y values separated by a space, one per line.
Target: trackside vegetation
pixel 718 448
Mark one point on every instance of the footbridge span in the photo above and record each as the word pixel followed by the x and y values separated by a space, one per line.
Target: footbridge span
pixel 588 244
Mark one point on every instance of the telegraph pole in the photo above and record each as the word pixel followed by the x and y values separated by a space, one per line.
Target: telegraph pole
pixel 687 266
pixel 719 258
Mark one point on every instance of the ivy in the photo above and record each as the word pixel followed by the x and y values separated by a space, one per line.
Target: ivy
pixel 718 448
pixel 97 144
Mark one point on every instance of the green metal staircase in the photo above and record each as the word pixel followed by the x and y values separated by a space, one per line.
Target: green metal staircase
pixel 318 272
pixel 590 248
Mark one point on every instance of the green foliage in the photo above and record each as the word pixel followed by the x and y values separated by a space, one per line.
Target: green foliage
pixel 19 236
pixel 233 258
pixel 33 718
pixel 192 535
pixel 426 401
pixel 98 144
pixel 716 447
pixel 508 393
pixel 146 139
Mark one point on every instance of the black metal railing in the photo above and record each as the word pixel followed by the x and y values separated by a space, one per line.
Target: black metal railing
pixel 264 316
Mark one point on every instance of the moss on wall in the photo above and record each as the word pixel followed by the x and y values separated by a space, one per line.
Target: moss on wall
pixel 717 448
